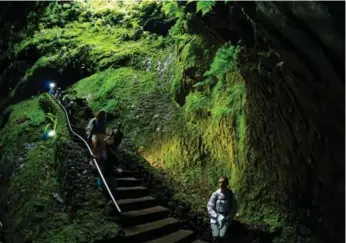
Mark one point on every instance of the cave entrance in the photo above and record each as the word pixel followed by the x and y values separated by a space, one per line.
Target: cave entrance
pixel 42 77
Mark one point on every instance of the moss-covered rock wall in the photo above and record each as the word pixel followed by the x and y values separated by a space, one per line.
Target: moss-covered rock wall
pixel 48 191
pixel 302 115
pixel 253 91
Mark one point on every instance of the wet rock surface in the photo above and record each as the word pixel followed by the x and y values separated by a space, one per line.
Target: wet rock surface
pixel 75 175
pixel 162 189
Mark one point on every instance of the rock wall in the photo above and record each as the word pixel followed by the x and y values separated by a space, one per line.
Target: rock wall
pixel 293 68
pixel 303 110
pixel 88 208
pixel 272 117
pixel 295 109
pixel 48 189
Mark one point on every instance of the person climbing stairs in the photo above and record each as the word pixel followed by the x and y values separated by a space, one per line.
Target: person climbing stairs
pixel 142 218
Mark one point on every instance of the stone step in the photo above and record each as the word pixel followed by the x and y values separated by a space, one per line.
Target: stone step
pixel 150 231
pixel 119 173
pixel 136 203
pixel 144 215
pixel 128 181
pixel 131 192
pixel 180 236
pixel 199 241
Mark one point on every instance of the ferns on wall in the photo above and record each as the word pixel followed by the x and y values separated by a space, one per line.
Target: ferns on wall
pixel 172 9
pixel 224 61
pixel 196 106
pixel 205 6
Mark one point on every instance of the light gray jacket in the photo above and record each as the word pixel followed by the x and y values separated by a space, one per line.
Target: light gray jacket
pixel 221 203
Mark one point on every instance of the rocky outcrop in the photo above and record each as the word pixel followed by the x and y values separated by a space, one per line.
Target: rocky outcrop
pixel 294 72
pixel 48 189
pixel 16 21
pixel 308 117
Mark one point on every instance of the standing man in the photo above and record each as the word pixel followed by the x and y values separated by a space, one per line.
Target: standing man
pixel 221 209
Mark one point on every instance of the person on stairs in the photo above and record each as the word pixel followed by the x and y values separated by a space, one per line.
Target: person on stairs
pixel 58 93
pixel 71 107
pixel 112 143
pixel 115 138
pixel 221 210
pixel 96 133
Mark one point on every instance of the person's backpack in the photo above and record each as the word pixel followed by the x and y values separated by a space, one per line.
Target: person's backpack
pixel 89 128
pixel 117 137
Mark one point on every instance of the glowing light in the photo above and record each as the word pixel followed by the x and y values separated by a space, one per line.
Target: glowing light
pixel 51 85
pixel 51 133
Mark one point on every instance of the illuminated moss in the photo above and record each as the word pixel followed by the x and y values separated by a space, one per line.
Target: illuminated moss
pixel 210 132
pixel 34 212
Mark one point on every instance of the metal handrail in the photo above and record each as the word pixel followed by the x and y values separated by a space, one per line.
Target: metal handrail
pixel 90 151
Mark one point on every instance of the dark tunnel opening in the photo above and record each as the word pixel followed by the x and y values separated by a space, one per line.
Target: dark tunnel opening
pixel 39 82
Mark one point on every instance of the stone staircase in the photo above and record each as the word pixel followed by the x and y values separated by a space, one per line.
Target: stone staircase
pixel 142 218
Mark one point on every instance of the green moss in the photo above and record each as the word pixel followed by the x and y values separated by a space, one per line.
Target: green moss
pixel 193 58
pixel 201 147
pixel 32 183
pixel 196 106
pixel 89 225
pixel 27 116
pixel 130 93
pixel 104 87
pixel 34 211
pixel 194 144
pixel 210 134
pixel 98 43
pixel 88 45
